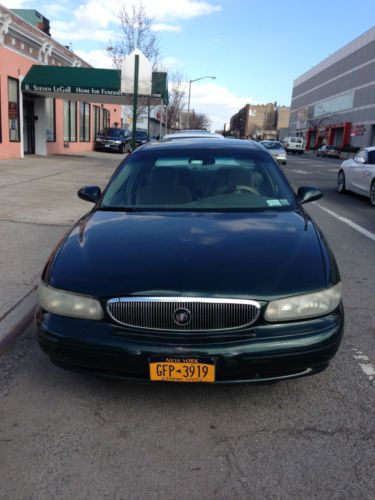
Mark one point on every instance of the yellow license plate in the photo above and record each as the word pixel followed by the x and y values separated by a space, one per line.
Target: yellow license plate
pixel 169 369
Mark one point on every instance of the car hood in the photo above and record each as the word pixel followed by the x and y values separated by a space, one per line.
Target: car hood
pixel 262 255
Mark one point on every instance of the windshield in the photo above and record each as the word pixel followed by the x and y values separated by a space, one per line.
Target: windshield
pixel 200 180
pixel 141 135
pixel 113 132
pixel 272 145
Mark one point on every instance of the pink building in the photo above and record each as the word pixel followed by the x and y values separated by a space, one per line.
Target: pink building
pixel 38 124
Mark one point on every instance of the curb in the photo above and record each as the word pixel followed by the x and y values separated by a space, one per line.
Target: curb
pixel 16 320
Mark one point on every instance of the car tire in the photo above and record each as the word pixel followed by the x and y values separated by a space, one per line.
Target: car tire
pixel 121 149
pixel 341 182
pixel 372 193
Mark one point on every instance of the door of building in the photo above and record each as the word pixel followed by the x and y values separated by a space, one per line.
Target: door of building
pixel 28 126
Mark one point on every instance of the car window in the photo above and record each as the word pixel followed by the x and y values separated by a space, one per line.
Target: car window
pixel 196 180
pixel 361 155
pixel 272 144
pixel 371 157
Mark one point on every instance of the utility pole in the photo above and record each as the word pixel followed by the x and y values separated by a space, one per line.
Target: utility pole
pixel 135 99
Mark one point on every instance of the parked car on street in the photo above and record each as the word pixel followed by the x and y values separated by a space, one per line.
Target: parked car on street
pixel 329 151
pixel 198 263
pixel 113 139
pixel 294 145
pixel 141 137
pixel 276 150
pixel 358 174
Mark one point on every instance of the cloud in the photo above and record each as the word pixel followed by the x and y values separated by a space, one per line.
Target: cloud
pixel 167 62
pixel 97 58
pixel 68 32
pixel 166 27
pixel 181 9
pixel 217 102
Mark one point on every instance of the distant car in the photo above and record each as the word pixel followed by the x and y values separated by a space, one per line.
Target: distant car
pixel 192 134
pixel 198 263
pixel 113 139
pixel 329 151
pixel 358 174
pixel 276 150
pixel 141 137
pixel 294 145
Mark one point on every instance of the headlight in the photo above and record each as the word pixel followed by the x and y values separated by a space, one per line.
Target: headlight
pixel 117 142
pixel 67 303
pixel 305 306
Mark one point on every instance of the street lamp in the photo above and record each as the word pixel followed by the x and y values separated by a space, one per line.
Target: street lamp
pixel 190 82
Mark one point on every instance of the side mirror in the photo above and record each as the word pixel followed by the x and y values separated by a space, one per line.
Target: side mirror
pixel 90 193
pixel 308 193
pixel 360 160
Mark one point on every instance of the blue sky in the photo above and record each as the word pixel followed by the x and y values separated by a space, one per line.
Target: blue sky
pixel 254 48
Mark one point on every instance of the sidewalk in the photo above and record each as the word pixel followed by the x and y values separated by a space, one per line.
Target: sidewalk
pixel 38 204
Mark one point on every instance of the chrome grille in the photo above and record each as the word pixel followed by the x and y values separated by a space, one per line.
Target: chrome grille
pixel 159 313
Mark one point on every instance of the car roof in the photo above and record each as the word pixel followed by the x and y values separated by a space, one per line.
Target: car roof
pixel 191 134
pixel 201 143
pixel 369 148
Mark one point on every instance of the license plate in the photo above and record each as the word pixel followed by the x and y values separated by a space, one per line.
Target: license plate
pixel 107 145
pixel 171 369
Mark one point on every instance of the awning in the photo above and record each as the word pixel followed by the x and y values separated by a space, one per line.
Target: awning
pixel 89 85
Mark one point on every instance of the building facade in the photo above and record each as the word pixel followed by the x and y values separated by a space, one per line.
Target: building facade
pixel 334 102
pixel 31 124
pixel 261 121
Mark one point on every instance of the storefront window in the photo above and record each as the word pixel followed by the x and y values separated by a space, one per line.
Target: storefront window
pixel 97 127
pixel 70 121
pixel 1 136
pixel 84 122
pixel 106 118
pixel 13 110
pixel 51 122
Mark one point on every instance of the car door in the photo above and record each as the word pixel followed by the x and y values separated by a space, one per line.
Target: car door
pixel 356 171
pixel 368 173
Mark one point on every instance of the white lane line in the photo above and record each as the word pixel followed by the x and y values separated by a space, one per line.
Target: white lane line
pixel 365 365
pixel 333 170
pixel 300 172
pixel 348 222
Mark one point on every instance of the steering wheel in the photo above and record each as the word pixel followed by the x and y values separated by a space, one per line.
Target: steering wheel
pixel 239 188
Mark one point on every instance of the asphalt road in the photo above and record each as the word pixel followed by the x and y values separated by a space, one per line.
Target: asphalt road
pixel 66 435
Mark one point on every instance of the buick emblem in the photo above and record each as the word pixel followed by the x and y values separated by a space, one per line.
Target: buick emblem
pixel 182 316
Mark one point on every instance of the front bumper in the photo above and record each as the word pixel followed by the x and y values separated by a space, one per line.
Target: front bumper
pixel 108 147
pixel 258 354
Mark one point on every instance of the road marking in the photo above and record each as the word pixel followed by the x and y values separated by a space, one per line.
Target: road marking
pixel 333 170
pixel 348 222
pixel 300 172
pixel 365 365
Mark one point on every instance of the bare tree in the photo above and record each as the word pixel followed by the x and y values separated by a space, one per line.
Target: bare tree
pixel 199 121
pixel 177 93
pixel 136 33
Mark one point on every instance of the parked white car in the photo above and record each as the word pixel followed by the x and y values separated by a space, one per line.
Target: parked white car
pixel 358 174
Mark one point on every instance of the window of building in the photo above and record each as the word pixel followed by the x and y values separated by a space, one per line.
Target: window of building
pixel 13 110
pixel 106 118
pixel 51 120
pixel 1 136
pixel 97 124
pixel 70 121
pixel 84 121
pixel 334 104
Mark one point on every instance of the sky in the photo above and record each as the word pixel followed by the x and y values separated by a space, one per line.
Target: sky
pixel 254 48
